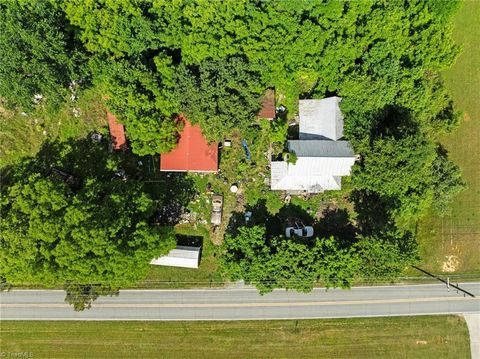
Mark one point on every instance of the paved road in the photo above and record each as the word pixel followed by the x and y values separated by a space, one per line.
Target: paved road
pixel 236 304
pixel 473 323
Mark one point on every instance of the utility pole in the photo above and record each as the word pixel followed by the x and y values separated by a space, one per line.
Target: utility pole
pixel 447 282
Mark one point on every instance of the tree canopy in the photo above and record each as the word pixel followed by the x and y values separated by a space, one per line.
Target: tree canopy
pixel 212 60
pixel 40 54
pixel 280 262
pixel 93 229
pixel 219 95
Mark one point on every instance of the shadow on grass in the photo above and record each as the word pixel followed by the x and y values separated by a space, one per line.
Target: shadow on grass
pixel 374 213
pixel 275 225
pixel 336 222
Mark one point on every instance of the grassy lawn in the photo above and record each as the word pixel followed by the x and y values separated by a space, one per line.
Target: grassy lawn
pixel 23 134
pixel 395 337
pixel 207 275
pixel 452 243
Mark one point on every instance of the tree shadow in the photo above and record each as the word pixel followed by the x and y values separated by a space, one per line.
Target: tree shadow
pixel 336 222
pixel 174 191
pixel 374 212
pixel 82 296
pixel 394 121
pixel 189 241
pixel 275 225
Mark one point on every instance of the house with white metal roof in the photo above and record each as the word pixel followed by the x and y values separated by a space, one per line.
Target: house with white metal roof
pixel 181 256
pixel 322 158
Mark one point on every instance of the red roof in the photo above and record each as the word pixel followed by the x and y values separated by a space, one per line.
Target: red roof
pixel 268 105
pixel 193 152
pixel 117 132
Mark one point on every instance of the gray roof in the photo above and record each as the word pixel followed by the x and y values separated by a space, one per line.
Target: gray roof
pixel 181 256
pixel 321 148
pixel 320 119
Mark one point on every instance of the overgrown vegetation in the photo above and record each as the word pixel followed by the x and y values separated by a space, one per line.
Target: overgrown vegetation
pixel 77 215
pixel 151 61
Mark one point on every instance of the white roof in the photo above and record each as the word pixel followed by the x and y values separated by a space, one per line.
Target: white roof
pixel 311 174
pixel 181 256
pixel 320 119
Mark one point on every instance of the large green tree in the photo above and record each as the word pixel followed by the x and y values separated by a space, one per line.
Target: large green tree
pixel 142 96
pixel 402 164
pixel 289 263
pixel 398 168
pixel 52 234
pixel 96 230
pixel 219 95
pixel 385 256
pixel 39 53
pixel 115 28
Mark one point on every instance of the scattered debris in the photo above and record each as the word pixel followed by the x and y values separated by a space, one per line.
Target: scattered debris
pixel 120 174
pixel 76 112
pixel 281 109
pixel 37 98
pixel 240 200
pixel 451 264
pixel 96 137
pixel 248 155
pixel 209 188
pixel 170 214
pixel 68 178
pixel 73 86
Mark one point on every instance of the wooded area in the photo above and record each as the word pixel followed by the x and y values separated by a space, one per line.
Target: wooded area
pixel 149 61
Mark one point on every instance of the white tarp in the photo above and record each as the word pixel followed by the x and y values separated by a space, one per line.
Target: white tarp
pixel 182 256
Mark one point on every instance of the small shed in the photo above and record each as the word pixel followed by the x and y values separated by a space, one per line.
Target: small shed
pixel 181 256
pixel 117 132
pixel 268 110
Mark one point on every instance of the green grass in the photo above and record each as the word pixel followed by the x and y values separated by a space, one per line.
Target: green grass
pixel 458 234
pixel 393 337
pixel 207 275
pixel 23 135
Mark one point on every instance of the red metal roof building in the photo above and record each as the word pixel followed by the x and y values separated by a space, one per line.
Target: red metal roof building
pixel 192 154
pixel 117 132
